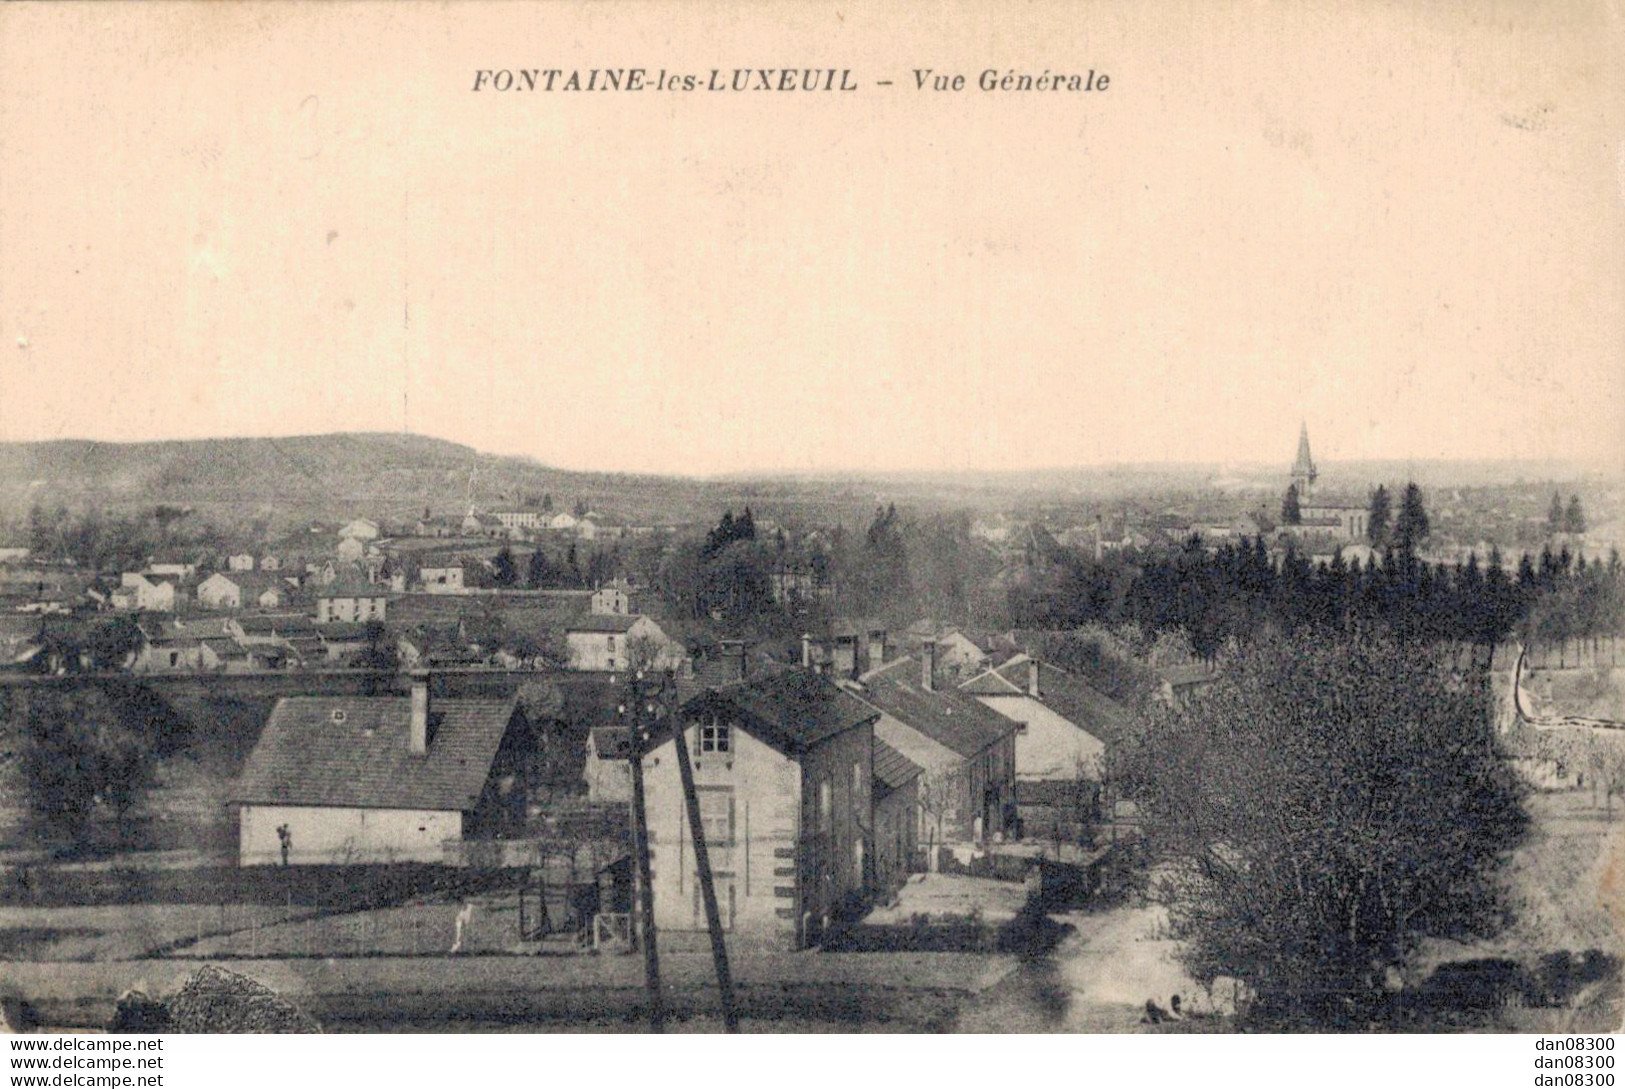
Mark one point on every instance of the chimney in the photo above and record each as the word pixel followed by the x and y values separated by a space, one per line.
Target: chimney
pixel 417 736
pixel 1032 678
pixel 877 648
pixel 928 665
pixel 845 662
pixel 734 667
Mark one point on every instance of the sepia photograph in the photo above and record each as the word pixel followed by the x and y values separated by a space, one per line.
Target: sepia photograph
pixel 807 518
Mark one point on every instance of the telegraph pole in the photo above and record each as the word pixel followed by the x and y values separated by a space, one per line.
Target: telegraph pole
pixel 702 863
pixel 638 728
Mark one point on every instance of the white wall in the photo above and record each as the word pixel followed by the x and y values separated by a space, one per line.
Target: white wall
pixel 333 836
pixel 1051 746
pixel 758 864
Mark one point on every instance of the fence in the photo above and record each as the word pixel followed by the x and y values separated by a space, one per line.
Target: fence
pixel 330 887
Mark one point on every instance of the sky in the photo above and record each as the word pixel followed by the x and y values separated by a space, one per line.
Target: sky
pixel 1403 227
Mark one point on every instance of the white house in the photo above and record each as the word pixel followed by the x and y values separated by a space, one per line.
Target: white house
pixel 442 580
pixel 350 549
pixel 611 601
pixel 241 590
pixel 1063 725
pixel 361 529
pixel 605 642
pixel 783 770
pixel 563 520
pixel 335 780
pixel 346 602
pixel 242 561
pixel 139 591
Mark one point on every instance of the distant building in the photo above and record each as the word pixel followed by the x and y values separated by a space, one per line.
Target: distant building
pixel 242 590
pixel 605 642
pixel 611 601
pixel 1064 727
pixel 350 602
pixel 523 519
pixel 442 580
pixel 341 779
pixel 141 591
pixel 242 561
pixel 361 529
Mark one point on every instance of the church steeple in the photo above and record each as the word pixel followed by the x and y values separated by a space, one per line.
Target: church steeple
pixel 1303 470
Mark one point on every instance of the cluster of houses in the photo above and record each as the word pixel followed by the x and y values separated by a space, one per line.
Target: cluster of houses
pixel 822 783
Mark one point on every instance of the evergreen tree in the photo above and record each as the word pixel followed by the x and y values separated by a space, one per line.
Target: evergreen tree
pixel 1291 514
pixel 1554 514
pixel 1379 517
pixel 503 571
pixel 1574 518
pixel 1411 527
pixel 540 572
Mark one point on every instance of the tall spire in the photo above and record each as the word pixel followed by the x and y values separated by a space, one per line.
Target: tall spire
pixel 1303 470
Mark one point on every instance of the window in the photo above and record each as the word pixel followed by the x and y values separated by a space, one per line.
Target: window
pixel 717 815
pixel 715 738
pixel 826 807
pixel 857 782
pixel 723 885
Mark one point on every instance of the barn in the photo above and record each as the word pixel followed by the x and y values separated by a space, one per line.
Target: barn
pixel 342 779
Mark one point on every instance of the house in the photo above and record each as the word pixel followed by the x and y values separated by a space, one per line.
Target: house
pixel 169 653
pixel 846 649
pixel 242 590
pixel 783 771
pixel 966 751
pixel 598 641
pixel 350 549
pixel 522 519
pixel 958 655
pixel 442 580
pixel 1063 726
pixel 172 569
pixel 350 602
pixel 610 601
pixel 141 591
pixel 361 529
pixel 290 635
pixel 343 640
pixel 587 529
pixel 896 824
pixel 337 780
pixel 270 562
pixel 483 525
pixel 241 561
pixel 563 520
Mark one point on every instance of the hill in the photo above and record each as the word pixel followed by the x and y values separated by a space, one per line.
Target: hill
pixel 395 477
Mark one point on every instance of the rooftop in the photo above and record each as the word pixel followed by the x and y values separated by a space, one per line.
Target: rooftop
pixel 352 752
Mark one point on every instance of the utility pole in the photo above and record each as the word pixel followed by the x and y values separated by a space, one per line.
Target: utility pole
pixel 638 727
pixel 702 863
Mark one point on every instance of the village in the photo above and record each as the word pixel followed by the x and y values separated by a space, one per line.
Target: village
pixel 536 733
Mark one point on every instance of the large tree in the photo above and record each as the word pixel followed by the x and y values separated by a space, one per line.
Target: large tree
pixel 1574 518
pixel 1411 528
pixel 1379 517
pixel 1291 513
pixel 1331 803
pixel 82 757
